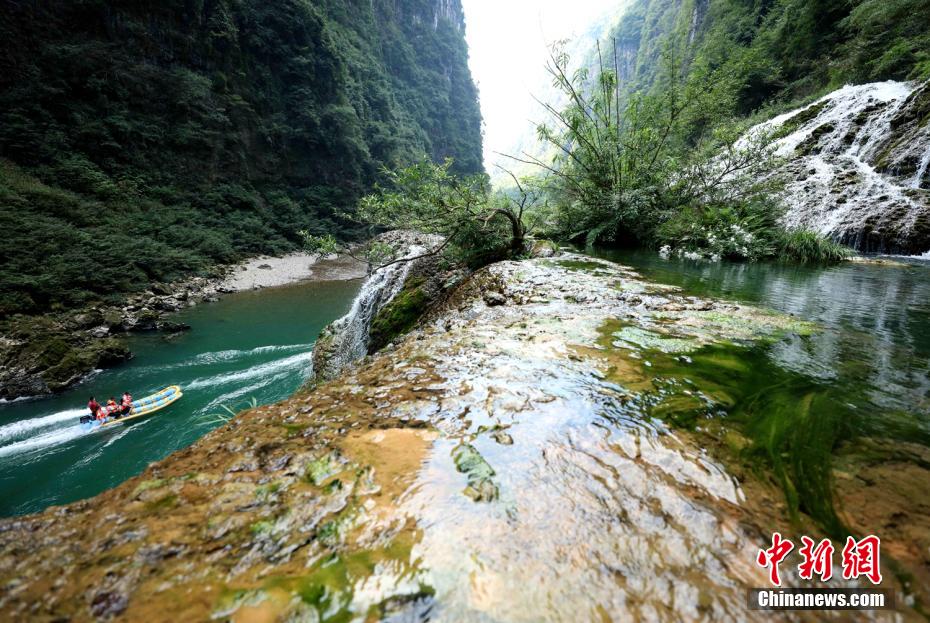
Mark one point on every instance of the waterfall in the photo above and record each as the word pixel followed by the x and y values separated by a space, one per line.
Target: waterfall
pixel 350 334
pixel 856 162
pixel 921 170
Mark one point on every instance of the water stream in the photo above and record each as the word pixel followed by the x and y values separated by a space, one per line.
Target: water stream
pixel 351 332
pixel 249 345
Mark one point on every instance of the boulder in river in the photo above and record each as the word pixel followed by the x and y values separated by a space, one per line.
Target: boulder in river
pixel 42 355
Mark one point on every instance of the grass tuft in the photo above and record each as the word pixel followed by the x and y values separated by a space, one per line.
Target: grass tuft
pixel 807 247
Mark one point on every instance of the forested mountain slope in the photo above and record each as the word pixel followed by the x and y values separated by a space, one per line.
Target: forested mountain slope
pixel 781 49
pixel 776 51
pixel 143 141
pixel 688 78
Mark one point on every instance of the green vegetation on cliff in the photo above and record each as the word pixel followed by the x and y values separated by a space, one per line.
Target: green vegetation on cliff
pixel 398 316
pixel 776 49
pixel 143 142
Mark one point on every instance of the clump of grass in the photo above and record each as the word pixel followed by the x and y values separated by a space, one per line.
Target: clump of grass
pixel 807 247
pixel 261 527
pixel 228 413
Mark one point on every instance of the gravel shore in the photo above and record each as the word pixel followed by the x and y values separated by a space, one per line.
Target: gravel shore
pixel 268 272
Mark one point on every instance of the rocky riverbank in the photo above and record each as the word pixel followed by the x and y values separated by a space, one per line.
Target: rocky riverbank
pixel 519 455
pixel 46 354
pixel 396 298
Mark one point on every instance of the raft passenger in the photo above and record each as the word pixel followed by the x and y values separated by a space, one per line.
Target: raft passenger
pixel 94 407
pixel 125 404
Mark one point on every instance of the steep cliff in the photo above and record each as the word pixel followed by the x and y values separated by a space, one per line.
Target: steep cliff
pixel 781 49
pixel 144 141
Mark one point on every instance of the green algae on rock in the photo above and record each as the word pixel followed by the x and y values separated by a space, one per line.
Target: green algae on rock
pixel 480 474
pixel 635 337
pixel 320 470
pixel 400 315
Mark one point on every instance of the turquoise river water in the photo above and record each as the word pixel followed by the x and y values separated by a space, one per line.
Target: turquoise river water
pixel 874 342
pixel 248 345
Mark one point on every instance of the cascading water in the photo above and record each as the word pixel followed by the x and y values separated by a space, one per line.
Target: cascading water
pixel 921 178
pixel 856 164
pixel 348 336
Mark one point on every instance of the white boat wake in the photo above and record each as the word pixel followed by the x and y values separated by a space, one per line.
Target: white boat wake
pixel 33 434
pixel 29 427
pixel 51 438
pixel 297 361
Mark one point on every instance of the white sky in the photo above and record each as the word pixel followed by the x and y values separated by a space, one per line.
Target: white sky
pixel 508 44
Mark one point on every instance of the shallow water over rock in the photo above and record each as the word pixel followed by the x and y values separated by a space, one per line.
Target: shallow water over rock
pixel 527 461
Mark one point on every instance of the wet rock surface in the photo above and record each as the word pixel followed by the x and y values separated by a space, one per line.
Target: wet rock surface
pixel 497 463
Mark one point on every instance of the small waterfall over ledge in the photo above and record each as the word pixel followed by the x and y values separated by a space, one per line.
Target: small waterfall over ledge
pixel 377 291
pixel 345 341
pixel 858 165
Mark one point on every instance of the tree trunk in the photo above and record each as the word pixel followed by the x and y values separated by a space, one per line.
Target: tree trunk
pixel 517 231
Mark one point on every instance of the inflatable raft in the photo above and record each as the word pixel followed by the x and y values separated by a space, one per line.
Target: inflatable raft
pixel 143 406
